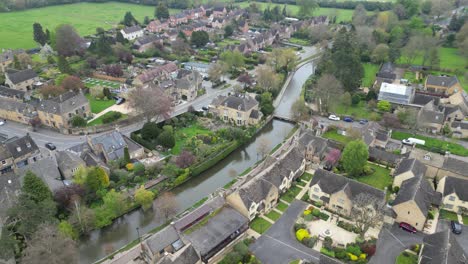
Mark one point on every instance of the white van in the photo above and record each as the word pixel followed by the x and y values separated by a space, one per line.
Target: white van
pixel 413 141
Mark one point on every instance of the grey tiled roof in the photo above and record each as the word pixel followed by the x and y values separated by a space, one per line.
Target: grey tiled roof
pixel 10 187
pixel 442 247
pixel 189 219
pixel 382 155
pixel 68 160
pixel 187 256
pixel 4 153
pixel 147 39
pixel 443 81
pixel 21 146
pixel 413 165
pixel 254 114
pixel 330 183
pixel 11 93
pixel 61 104
pixel 255 190
pixel 430 114
pixel 132 29
pixel 456 165
pixel 243 103
pixel 456 185
pixel 461 125
pixel 387 71
pixel 218 228
pixel 423 99
pixel 47 170
pixel 113 143
pixel 21 76
pixel 162 239
pixel 419 190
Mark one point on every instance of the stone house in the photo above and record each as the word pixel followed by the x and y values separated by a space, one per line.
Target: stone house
pixel 12 94
pixel 47 170
pixel 24 80
pixel 442 85
pixel 68 163
pixel 338 192
pixel 243 26
pixel 374 135
pixel 161 73
pixel 112 145
pixel 242 110
pixel 255 197
pixel 453 113
pixel 187 84
pixel 442 247
pixel 454 194
pixel 6 160
pixel 218 23
pixel 407 169
pixel 430 118
pixel 386 73
pixel 283 172
pixel 460 99
pixel 6 58
pixel 460 129
pixel 144 43
pixel 156 26
pixel 177 19
pixel 16 153
pixel 131 33
pixel 219 11
pixel 439 166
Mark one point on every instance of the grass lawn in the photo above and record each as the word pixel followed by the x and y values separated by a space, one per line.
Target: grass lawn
pixel 444 214
pixel 90 82
pixel 331 134
pixel 410 259
pixel 306 176
pixel 228 41
pixel 295 262
pixel 273 215
pixel 379 179
pixel 449 59
pixel 465 219
pixel 301 183
pixel 85 17
pixel 98 121
pixel 99 105
pixel 260 225
pixel 282 206
pixel 297 41
pixel 291 194
pixel 433 144
pixel 357 111
pixel 369 74
pixel 186 133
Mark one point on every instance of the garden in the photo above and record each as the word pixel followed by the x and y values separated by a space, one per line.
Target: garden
pixel 433 144
pixel 240 254
pixel 91 82
pixel 260 225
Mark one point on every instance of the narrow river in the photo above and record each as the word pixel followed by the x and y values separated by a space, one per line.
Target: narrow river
pixel 124 230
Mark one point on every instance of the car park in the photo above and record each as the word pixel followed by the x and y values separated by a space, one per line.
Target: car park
pixel 50 146
pixel 407 227
pixel 456 227
pixel 334 118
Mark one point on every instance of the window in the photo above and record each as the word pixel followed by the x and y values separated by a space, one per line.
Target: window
pixel 69 114
pixel 83 108
pixel 225 118
pixel 3 162
pixel 449 206
pixel 239 122
pixel 239 114
pixel 452 198
pixel 408 212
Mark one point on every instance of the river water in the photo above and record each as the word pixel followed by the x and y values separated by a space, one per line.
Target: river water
pixel 124 229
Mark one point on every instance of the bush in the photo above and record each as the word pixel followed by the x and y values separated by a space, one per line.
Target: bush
pixel 430 215
pixel 327 252
pixel 416 248
pixel 341 254
pixel 139 168
pixel 353 249
pixel 307 212
pixel 327 243
pixel 301 234
pixel 310 242
pixel 78 121
pixel 309 217
pixel 352 257
pixel 367 170
pixel 348 227
pixel 316 212
pixel 396 189
pixel 362 256
pixel 324 216
pixel 208 163
pixel 129 166
pixel 111 117
pixel 166 139
pixel 298 226
pixel 369 249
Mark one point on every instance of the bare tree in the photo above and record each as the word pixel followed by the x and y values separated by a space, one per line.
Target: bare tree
pixel 68 41
pixel 263 147
pixel 439 7
pixel 167 205
pixel 49 246
pixel 353 133
pixel 151 102
pixel 267 78
pixel 359 15
pixel 216 71
pixel 367 212
pixel 326 91
pixel 300 111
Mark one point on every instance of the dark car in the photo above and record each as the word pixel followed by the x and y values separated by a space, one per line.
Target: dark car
pixel 119 101
pixel 348 119
pixel 205 108
pixel 363 121
pixel 50 146
pixel 408 227
pixel 456 227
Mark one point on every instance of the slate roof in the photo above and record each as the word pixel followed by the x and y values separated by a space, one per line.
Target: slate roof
pixel 430 114
pixel 147 39
pixel 113 143
pixel 242 103
pixel 461 125
pixel 21 146
pixel 16 76
pixel 10 187
pixel 61 104
pixel 218 228
pixel 11 93
pixel 47 170
pixel 132 29
pixel 68 160
pixel 456 165
pixel 194 216
pixel 188 255
pixel 387 71
pixel 330 183
pixel 162 239
pixel 413 165
pixel 151 74
pixel 255 114
pixel 456 185
pixel 382 155
pixel 442 248
pixel 4 153
pixel 443 81
pixel 255 190
pixel 419 190
pixel 423 99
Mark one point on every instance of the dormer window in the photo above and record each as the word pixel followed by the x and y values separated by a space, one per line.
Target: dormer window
pixel 18 149
pixel 28 145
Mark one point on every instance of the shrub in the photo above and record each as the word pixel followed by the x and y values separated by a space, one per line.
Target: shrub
pixel 78 121
pixel 298 226
pixel 139 168
pixel 416 248
pixel 396 189
pixel 352 257
pixel 166 139
pixel 311 242
pixel 362 256
pixel 369 249
pixel 301 234
pixel 367 170
pixel 324 216
pixel 316 212
pixel 309 217
pixel 307 212
pixel 327 243
pixel 353 249
pixel 111 117
pixel 130 166
pixel 341 254
pixel 430 215
pixel 327 252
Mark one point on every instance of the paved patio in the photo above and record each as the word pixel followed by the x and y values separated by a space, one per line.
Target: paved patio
pixel 338 234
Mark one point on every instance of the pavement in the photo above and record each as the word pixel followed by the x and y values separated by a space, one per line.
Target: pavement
pixel 461 238
pixel 278 245
pixel 391 242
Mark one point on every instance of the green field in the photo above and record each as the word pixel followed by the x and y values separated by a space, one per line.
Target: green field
pixel 260 225
pixel 449 59
pixel 16 29
pixel 369 74
pixel 357 111
pixel 273 215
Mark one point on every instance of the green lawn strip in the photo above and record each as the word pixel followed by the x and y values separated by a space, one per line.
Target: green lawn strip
pixel 260 225
pixel 282 206
pixel 275 148
pixel 444 214
pixel 465 219
pixel 291 194
pixel 98 106
pixel 408 259
pixel 273 215
pixel 307 176
pixel 379 179
pixel 229 184
pixel 298 41
pixel 183 134
pixel 246 171
pixel 331 134
pixel 98 121
pixel 433 144
pixel 295 262
pixel 301 183
pixel 369 74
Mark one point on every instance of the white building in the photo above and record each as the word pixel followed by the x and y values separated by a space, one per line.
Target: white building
pixel 396 93
pixel 132 32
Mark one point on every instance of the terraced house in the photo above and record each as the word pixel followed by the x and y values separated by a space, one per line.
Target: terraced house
pixel 454 194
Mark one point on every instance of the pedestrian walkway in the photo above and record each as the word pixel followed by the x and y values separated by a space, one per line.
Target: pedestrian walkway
pixel 267 219
pixel 276 210
pixel 286 202
pixel 460 218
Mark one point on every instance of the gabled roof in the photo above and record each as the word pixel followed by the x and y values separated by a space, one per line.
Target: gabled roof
pixel 461 125
pixel 11 93
pixel 162 239
pixel 382 155
pixel 200 212
pixel 61 104
pixel 387 71
pixel 47 170
pixel 68 160
pixel 147 39
pixel 456 165
pixel 18 76
pixel 188 255
pixel 442 248
pixel 242 103
pixel 255 191
pixel 456 185
pixel 413 165
pixel 423 99
pixel 21 146
pixel 330 183
pixel 443 81
pixel 113 143
pixel 132 29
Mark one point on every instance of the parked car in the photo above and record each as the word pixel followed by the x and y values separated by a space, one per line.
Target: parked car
pixel 348 119
pixel 363 121
pixel 407 227
pixel 205 108
pixel 413 141
pixel 50 146
pixel 456 227
pixel 119 100
pixel 2 122
pixel 334 118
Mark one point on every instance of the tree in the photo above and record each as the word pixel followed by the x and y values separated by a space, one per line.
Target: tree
pixel 300 110
pixel 120 38
pixel 410 7
pixel 462 39
pixel 115 202
pixel 439 7
pixel 39 35
pixel 266 103
pixel 72 83
pixel 233 59
pixel 78 121
pixel 380 53
pixel 144 198
pixel 245 79
pixel 48 245
pixel 68 42
pixel 161 11
pixel 333 156
pixel 228 30
pixel 354 157
pixel 267 79
pixel 367 212
pixel 126 156
pixel 114 70
pixel 426 7
pixel 7 244
pixel 64 196
pixel 166 205
pixel 152 103
pixel 185 159
pixel 35 188
pixel 51 91
pixel 150 131
pixel 96 178
pixel 407 116
pixel 306 7
pixel 390 120
pixel 129 19
pixel 384 106
pixel 263 147
pixel 216 71
pixel 82 218
pixel 66 229
pixel 359 15
pixel 166 139
pixel 35 122
pixel 345 100
pixel 327 89
pixel 123 53
pixel 199 38
pixel 63 65
pixel 23 61
pixel 146 20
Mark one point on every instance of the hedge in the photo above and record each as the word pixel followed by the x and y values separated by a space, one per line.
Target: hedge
pixel 327 252
pixel 211 161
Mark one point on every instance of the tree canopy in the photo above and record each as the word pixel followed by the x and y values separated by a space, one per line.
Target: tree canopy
pixel 354 157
